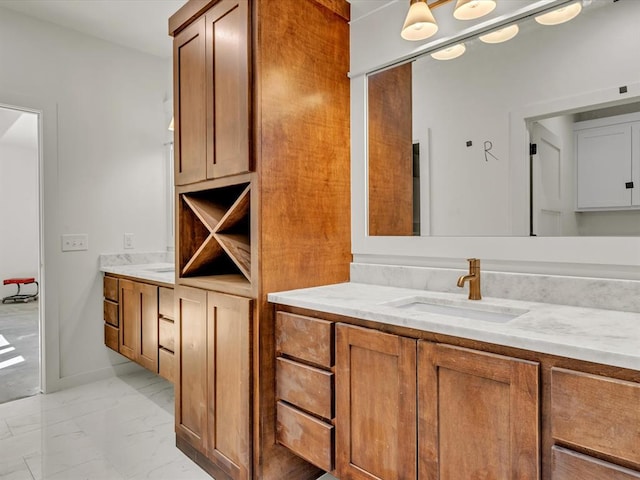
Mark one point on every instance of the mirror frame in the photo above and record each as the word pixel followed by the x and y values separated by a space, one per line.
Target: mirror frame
pixel 613 257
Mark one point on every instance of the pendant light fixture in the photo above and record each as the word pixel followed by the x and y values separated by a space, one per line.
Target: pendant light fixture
pixel 472 9
pixel 502 35
pixel 419 23
pixel 560 15
pixel 450 53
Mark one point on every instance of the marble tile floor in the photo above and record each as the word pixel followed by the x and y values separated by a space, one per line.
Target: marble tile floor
pixel 19 351
pixel 114 429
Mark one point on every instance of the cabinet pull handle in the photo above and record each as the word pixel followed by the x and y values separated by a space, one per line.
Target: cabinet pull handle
pixel 629 185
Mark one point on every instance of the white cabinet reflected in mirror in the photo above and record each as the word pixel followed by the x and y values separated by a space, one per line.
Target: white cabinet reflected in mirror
pixel 441 134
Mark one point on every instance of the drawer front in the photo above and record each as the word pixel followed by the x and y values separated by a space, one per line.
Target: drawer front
pixel 166 334
pixel 568 465
pixel 306 387
pixel 305 435
pixel 305 338
pixel 165 305
pixel 598 413
pixel 111 337
pixel 110 288
pixel 166 364
pixel 111 313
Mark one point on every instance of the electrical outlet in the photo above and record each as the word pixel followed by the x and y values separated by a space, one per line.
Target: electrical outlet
pixel 75 242
pixel 128 240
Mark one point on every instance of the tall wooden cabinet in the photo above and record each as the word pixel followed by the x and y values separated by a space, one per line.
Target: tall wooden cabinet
pixel 261 108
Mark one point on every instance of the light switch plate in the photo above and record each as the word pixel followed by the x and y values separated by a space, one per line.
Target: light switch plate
pixel 128 240
pixel 75 242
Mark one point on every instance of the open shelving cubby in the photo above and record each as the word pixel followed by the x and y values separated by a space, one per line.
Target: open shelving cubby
pixel 215 237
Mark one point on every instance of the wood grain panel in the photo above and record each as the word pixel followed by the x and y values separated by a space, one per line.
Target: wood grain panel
pixel 166 334
pixel 166 306
pixel 166 364
pixel 478 415
pixel 375 405
pixel 228 88
pixel 568 465
pixel 306 387
pixel 390 162
pixel 110 288
pixel 190 120
pixel 110 313
pixel 191 365
pixel 129 315
pixel 148 346
pixel 305 435
pixel 597 413
pixel 229 441
pixel 305 338
pixel 111 337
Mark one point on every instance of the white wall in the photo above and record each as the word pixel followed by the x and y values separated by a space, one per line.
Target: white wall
pixel 103 171
pixel 532 84
pixel 19 248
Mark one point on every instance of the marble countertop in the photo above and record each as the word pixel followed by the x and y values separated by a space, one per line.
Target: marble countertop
pixel 602 336
pixel 160 272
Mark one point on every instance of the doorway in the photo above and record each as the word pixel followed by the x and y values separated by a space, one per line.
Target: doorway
pixel 21 311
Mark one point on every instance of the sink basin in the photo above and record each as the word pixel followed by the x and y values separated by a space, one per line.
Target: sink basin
pixel 160 269
pixel 474 310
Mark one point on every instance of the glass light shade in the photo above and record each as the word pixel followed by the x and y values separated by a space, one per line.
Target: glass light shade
pixel 171 124
pixel 560 15
pixel 501 35
pixel 471 9
pixel 450 53
pixel 419 23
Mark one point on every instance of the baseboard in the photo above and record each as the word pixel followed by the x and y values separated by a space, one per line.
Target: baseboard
pixel 95 375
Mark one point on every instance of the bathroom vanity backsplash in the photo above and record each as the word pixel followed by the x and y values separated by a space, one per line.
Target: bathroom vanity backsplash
pixel 611 294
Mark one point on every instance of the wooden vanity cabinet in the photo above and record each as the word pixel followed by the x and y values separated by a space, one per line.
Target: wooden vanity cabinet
pixel 375 405
pixel 478 415
pixel 166 333
pixel 597 415
pixel 111 313
pixel 212 380
pixel 138 307
pixel 211 115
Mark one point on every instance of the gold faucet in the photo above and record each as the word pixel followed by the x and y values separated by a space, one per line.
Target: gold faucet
pixel 474 279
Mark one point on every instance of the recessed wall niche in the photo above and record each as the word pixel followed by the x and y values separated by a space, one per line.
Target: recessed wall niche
pixel 215 232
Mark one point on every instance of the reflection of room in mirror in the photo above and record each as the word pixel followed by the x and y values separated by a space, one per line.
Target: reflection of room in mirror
pixel 474 97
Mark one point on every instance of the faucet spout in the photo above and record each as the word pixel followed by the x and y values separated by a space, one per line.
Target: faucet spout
pixel 473 277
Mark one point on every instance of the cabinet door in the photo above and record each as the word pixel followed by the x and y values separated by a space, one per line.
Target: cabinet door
pixel 129 309
pixel 375 405
pixel 148 347
pixel 228 359
pixel 191 365
pixel 477 415
pixel 604 166
pixel 190 104
pixel 227 56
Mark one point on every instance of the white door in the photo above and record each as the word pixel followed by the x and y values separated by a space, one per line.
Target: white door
pixel 546 182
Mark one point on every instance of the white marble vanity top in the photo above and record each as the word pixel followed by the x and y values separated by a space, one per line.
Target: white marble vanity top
pixel 160 272
pixel 602 336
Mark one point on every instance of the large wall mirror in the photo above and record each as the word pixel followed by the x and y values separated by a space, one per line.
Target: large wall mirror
pixel 446 157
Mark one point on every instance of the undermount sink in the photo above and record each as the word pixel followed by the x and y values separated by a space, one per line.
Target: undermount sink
pixel 160 269
pixel 459 308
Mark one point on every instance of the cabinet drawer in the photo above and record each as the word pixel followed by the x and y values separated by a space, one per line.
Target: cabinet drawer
pixel 111 313
pixel 111 337
pixel 568 465
pixel 166 334
pixel 166 364
pixel 306 387
pixel 110 288
pixel 165 306
pixel 305 435
pixel 305 338
pixel 598 413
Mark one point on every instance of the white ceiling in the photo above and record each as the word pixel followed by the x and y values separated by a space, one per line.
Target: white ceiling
pixel 138 24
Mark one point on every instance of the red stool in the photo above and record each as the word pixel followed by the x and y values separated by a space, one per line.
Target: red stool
pixel 21 297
